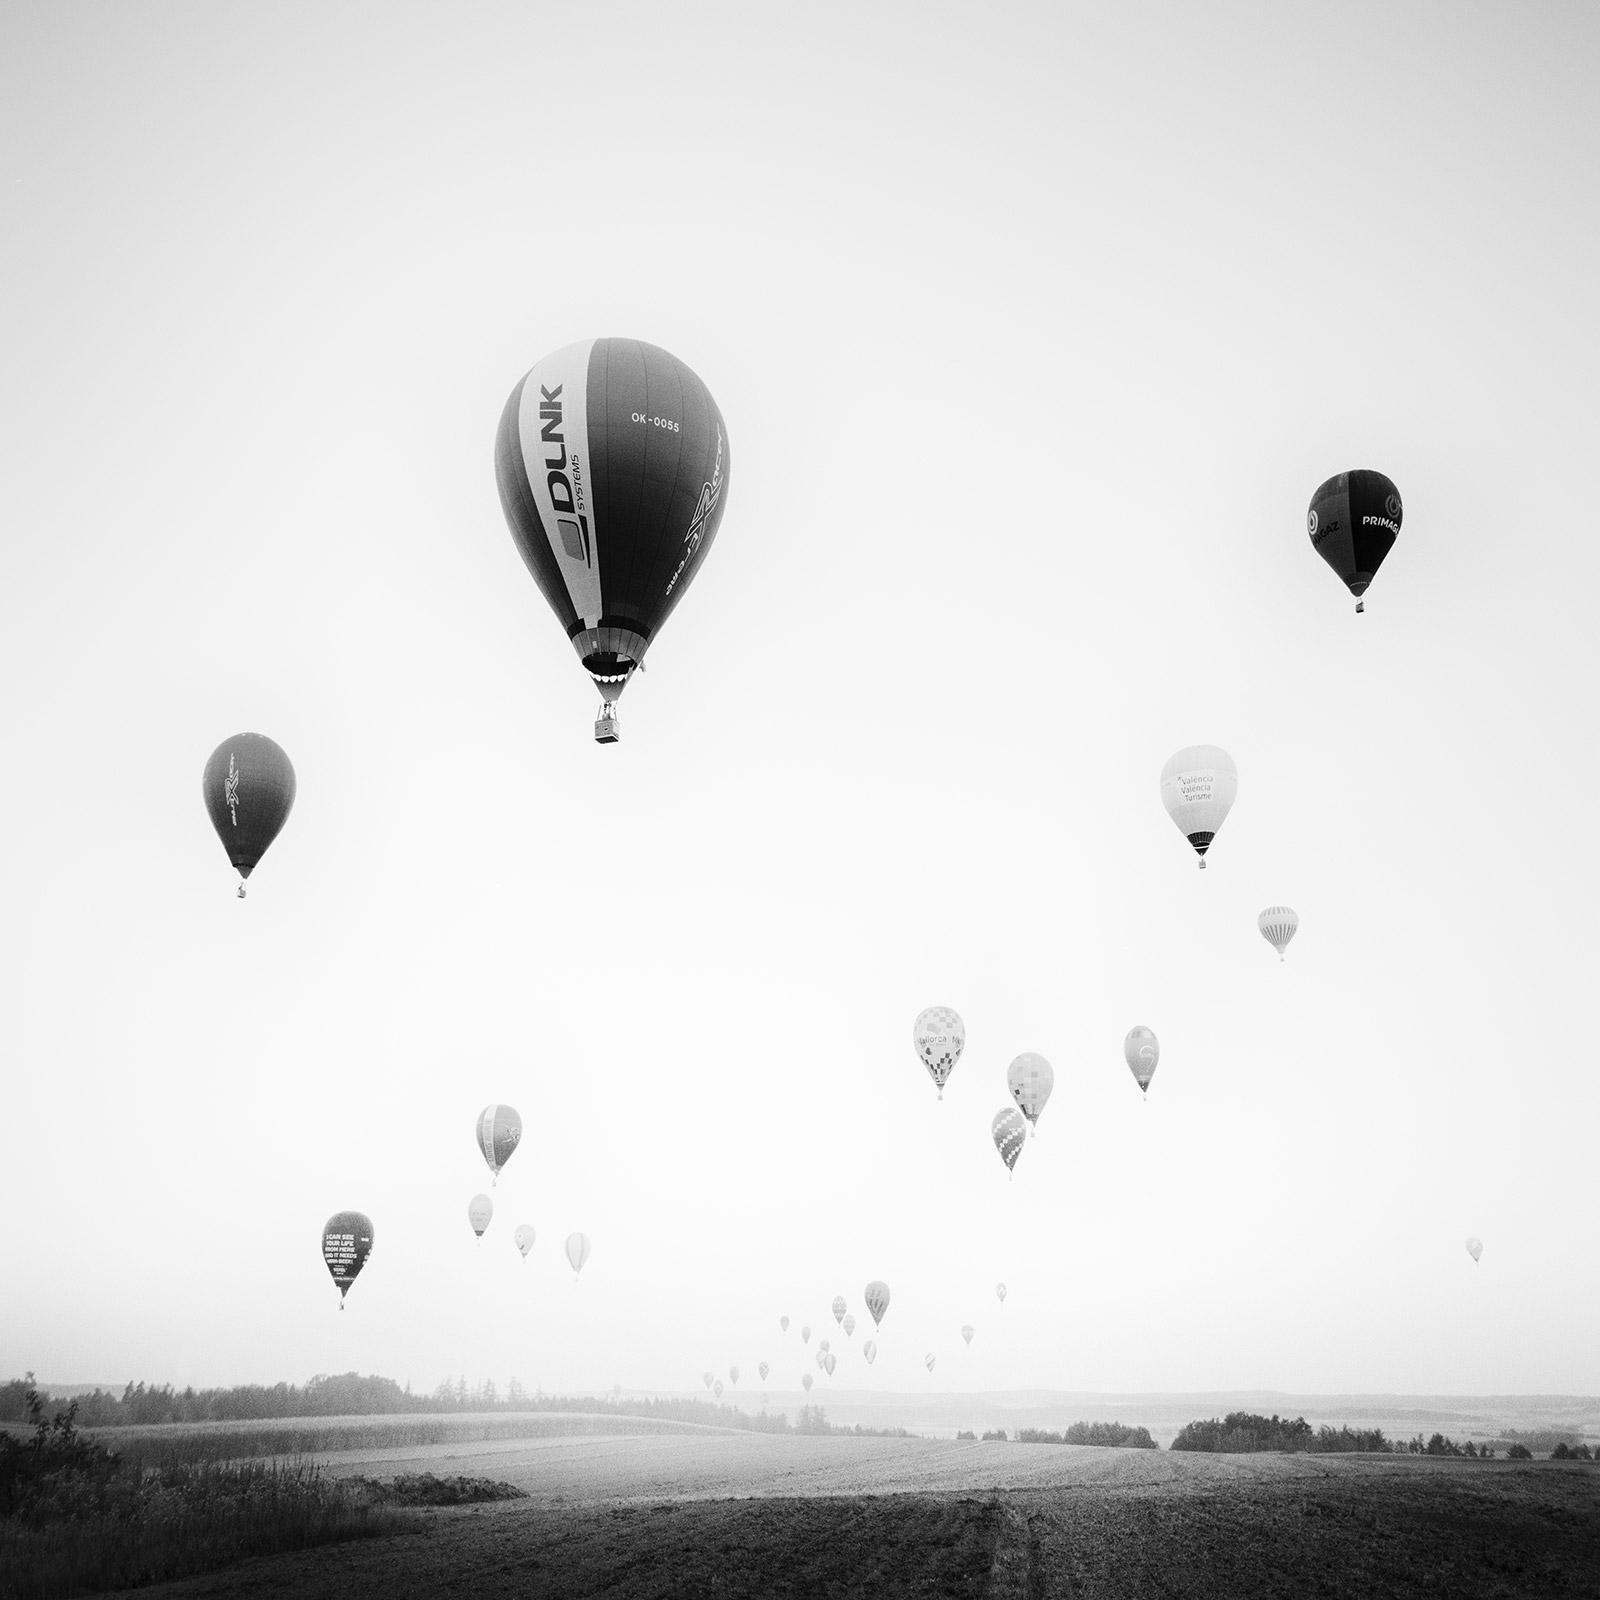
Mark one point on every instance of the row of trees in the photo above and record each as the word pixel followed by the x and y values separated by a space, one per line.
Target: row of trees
pixel 1102 1433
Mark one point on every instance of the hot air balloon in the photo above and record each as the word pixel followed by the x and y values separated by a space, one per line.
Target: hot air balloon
pixel 1141 1050
pixel 716 1388
pixel 831 1363
pixel 1475 1248
pixel 499 1133
pixel 577 1250
pixel 1354 520
pixel 805 1382
pixel 838 1309
pixel 249 789
pixel 480 1209
pixel 870 1351
pixel 1009 1133
pixel 822 1358
pixel 822 1345
pixel 708 1378
pixel 346 1244
pixel 1030 1078
pixel 940 1036
pixel 733 1374
pixel 1198 786
pixel 928 1360
pixel 805 1334
pixel 1000 1289
pixel 763 1369
pixel 1278 925
pixel 612 464
pixel 524 1237
pixel 876 1296
pixel 849 1325
pixel 967 1330
pixel 783 1324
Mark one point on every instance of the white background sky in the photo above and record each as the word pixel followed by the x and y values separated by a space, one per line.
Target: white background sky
pixel 1034 329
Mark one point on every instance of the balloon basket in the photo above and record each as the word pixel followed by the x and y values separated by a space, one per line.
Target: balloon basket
pixel 240 891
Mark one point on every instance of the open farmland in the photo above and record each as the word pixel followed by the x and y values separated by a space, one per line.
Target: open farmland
pixel 654 1514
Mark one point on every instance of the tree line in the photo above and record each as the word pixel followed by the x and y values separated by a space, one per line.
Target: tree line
pixel 1115 1434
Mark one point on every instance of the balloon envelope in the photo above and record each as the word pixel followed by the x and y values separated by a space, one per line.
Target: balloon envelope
pixel 1278 925
pixel 346 1244
pixel 1198 786
pixel 870 1351
pixel 849 1325
pixel 499 1134
pixel 940 1036
pixel 716 1388
pixel 928 1361
pixel 708 1378
pixel 480 1210
pixel 577 1250
pixel 805 1382
pixel 1354 520
pixel 612 465
pixel 876 1297
pixel 1474 1248
pixel 1000 1289
pixel 249 789
pixel 967 1331
pixel 524 1237
pixel 1142 1051
pixel 763 1369
pixel 783 1323
pixel 838 1308
pixel 1031 1079
pixel 1010 1133
pixel 832 1362
pixel 733 1374
pixel 805 1334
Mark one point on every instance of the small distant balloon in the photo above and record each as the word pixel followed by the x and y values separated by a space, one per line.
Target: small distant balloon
pixel 877 1300
pixel 1198 786
pixel 1009 1132
pixel 480 1210
pixel 783 1323
pixel 967 1331
pixel 346 1244
pixel 1354 520
pixel 249 788
pixel 1475 1248
pixel 716 1388
pixel 524 1237
pixel 733 1374
pixel 849 1324
pixel 870 1351
pixel 805 1382
pixel 805 1333
pixel 499 1134
pixel 763 1369
pixel 1278 925
pixel 822 1345
pixel 1031 1079
pixel 940 1036
pixel 832 1362
pixel 577 1250
pixel 1000 1289
pixel 1141 1050
pixel 928 1360
pixel 838 1308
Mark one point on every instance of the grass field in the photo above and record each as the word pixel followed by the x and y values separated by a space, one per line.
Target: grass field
pixel 647 1514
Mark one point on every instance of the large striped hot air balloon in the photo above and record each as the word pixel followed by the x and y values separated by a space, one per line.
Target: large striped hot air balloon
pixel 1278 925
pixel 612 464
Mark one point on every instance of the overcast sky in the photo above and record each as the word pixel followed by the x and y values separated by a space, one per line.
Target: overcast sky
pixel 1034 328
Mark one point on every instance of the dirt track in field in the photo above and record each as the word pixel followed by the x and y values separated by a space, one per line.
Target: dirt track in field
pixel 888 1518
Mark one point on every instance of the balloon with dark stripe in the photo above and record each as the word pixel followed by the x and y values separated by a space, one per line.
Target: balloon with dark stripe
pixel 249 789
pixel 1354 520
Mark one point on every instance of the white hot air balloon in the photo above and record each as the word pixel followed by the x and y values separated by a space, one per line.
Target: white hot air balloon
pixel 783 1324
pixel 524 1237
pixel 822 1345
pixel 1278 925
pixel 831 1363
pixel 708 1378
pixel 805 1333
pixel 805 1382
pixel 838 1309
pixel 480 1211
pixel 716 1388
pixel 1475 1248
pixel 967 1331
pixel 940 1036
pixel 1010 1133
pixel 763 1369
pixel 733 1375
pixel 870 1351
pixel 577 1251
pixel 928 1360
pixel 1141 1050
pixel 1000 1290
pixel 1198 786
pixel 877 1299
pixel 849 1325
pixel 1030 1078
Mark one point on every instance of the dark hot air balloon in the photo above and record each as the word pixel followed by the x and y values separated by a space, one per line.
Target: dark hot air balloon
pixel 612 463
pixel 249 789
pixel 346 1244
pixel 1354 521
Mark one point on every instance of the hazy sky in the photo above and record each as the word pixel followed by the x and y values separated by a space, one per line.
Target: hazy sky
pixel 1034 328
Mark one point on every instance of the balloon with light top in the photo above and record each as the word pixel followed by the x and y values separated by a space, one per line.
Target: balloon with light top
pixel 524 1237
pixel 870 1351
pixel 805 1382
pixel 838 1309
pixel 499 1133
pixel 716 1388
pixel 612 465
pixel 1031 1079
pixel 577 1251
pixel 249 788
pixel 1000 1290
pixel 346 1244
pixel 763 1369
pixel 876 1297
pixel 940 1036
pixel 1354 520
pixel 822 1345
pixel 967 1330
pixel 783 1324
pixel 832 1362
pixel 928 1360
pixel 1475 1248
pixel 733 1374
pixel 805 1333
pixel 822 1357
pixel 849 1325
pixel 708 1378
pixel 1278 925
pixel 480 1212
pixel 1142 1051
pixel 1198 788
pixel 1009 1132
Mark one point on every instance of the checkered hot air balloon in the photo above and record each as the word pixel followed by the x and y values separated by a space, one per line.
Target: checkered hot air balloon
pixel 1010 1133
pixel 940 1036
pixel 1030 1079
